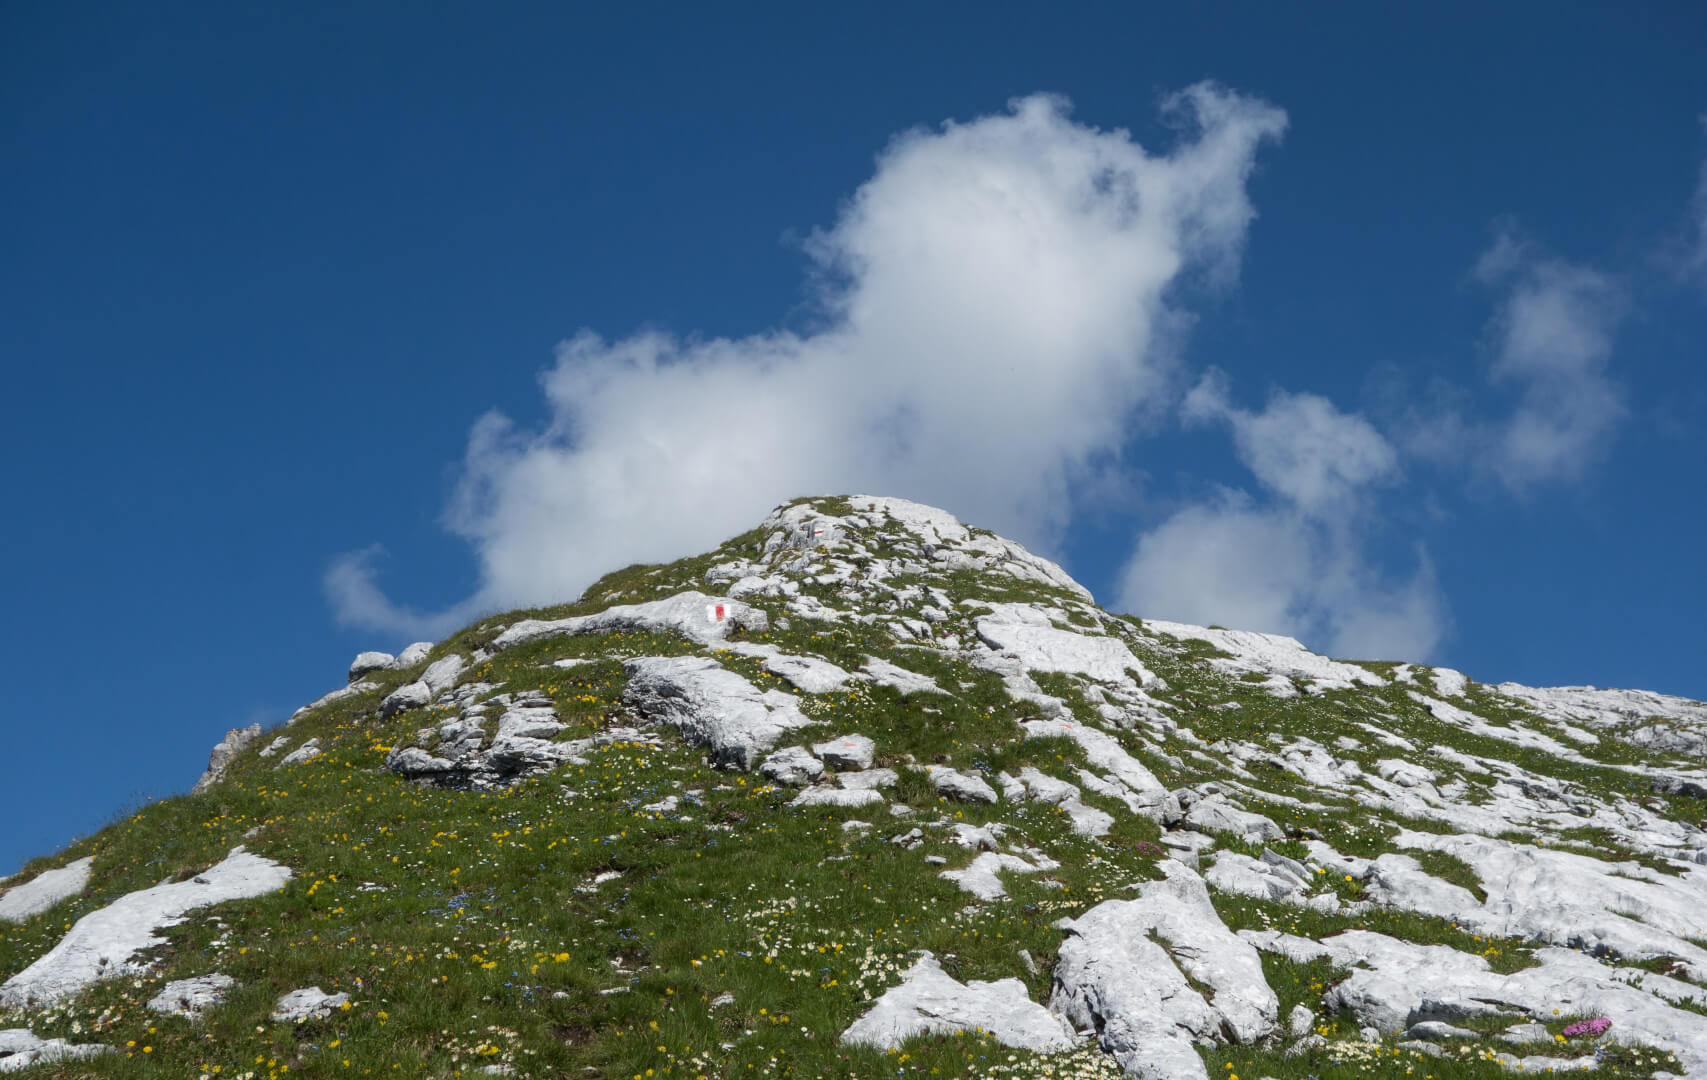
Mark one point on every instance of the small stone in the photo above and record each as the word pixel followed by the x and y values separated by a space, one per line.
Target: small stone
pixel 189 998
pixel 936 860
pixel 308 1003
pixel 964 787
pixel 1299 1021
pixel 847 752
pixel 792 766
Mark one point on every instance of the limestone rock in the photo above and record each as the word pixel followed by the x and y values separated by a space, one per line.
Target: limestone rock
pixel 309 1003
pixel 413 655
pixel 370 661
pixel 1028 635
pixel 846 752
pixel 792 766
pixel 442 673
pixel 21 1048
pixel 189 998
pixel 962 787
pixel 868 780
pixel 808 674
pixel 1299 1021
pixel 690 614
pixel 408 696
pixel 1143 793
pixel 1115 975
pixel 711 706
pixel 1282 658
pixel 308 751
pixel 980 876
pixel 930 1002
pixel 883 673
pixel 217 762
pixel 825 795
pixel 103 944
pixel 336 695
pixel 45 890
pixel 1216 814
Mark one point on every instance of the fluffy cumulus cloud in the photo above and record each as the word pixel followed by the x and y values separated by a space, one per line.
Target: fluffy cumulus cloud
pixel 1552 334
pixel 1001 304
pixel 1297 562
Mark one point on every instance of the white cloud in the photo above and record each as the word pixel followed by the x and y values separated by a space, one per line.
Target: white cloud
pixel 1299 564
pixel 1553 335
pixel 1001 306
pixel 1301 447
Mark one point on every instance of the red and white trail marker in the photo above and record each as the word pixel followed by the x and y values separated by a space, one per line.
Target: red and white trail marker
pixel 716 613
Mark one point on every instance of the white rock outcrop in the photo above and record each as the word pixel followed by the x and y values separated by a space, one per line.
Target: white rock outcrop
pixel 693 615
pixel 220 759
pixel 1123 972
pixel 104 943
pixel 930 1002
pixel 370 661
pixel 412 656
pixel 21 1048
pixel 1028 635
pixel 308 751
pixel 711 706
pixel 46 889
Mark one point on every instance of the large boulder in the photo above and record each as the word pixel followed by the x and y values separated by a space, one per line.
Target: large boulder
pixel 413 655
pixel 711 706
pixel 370 661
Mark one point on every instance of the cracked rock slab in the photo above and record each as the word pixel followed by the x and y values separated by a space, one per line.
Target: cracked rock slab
pixel 45 890
pixel 104 943
pixel 711 706
pixel 1123 971
pixel 930 1002
pixel 190 998
pixel 21 1048
pixel 693 615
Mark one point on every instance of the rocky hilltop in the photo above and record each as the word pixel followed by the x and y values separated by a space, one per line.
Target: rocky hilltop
pixel 867 791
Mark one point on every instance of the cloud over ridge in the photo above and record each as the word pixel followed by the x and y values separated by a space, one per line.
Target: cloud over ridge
pixel 1001 305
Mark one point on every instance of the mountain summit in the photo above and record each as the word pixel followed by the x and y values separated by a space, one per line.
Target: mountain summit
pixel 869 792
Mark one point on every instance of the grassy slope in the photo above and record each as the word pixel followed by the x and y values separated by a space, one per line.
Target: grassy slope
pixel 468 929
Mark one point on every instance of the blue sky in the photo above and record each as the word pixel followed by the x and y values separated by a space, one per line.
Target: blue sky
pixel 1379 328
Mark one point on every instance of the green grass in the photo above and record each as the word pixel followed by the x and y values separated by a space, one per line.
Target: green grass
pixel 468 929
